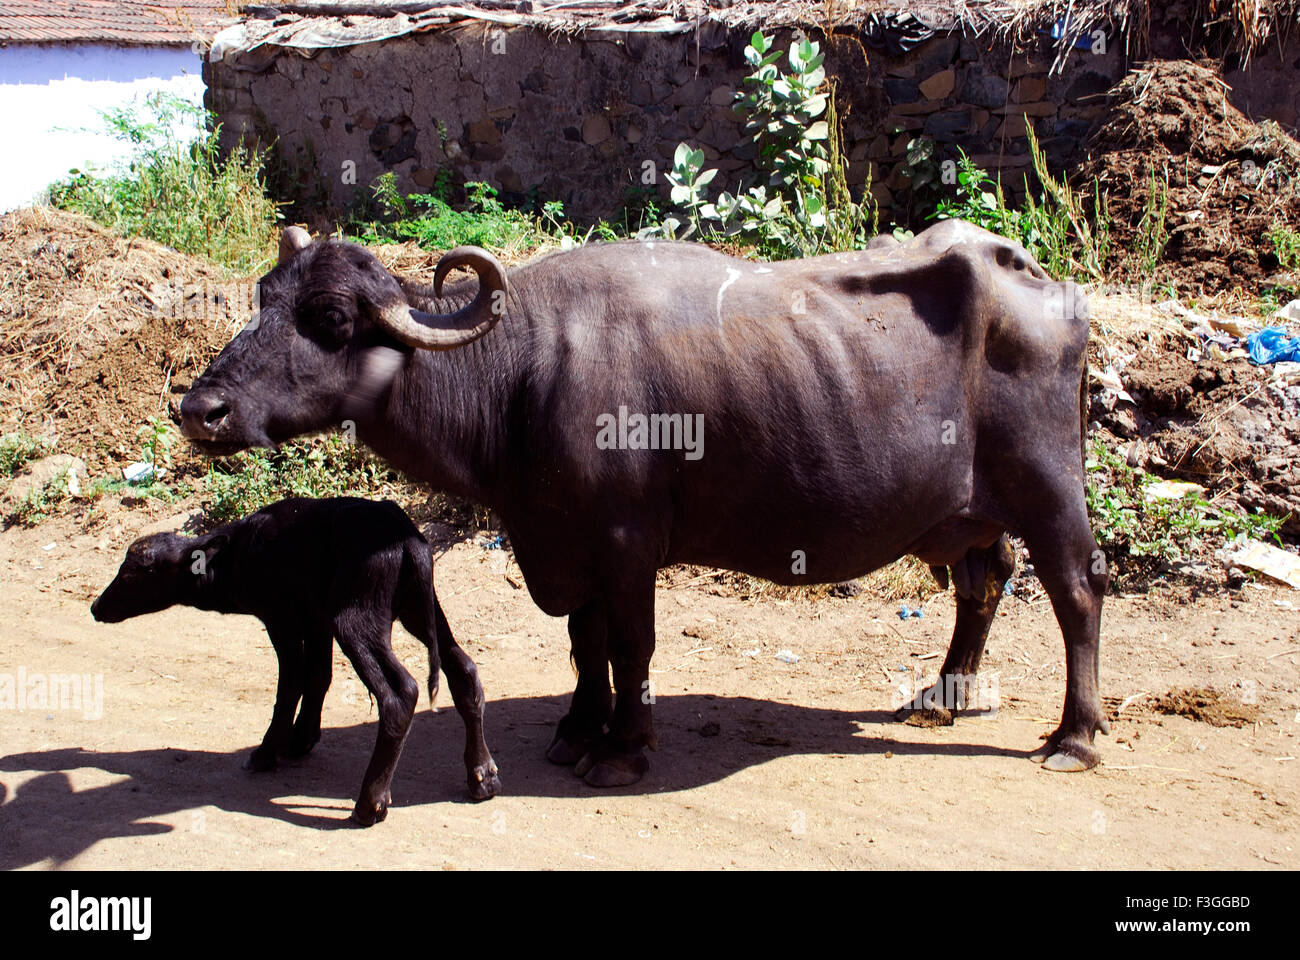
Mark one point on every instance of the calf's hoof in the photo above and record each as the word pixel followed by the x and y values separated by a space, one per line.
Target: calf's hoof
pixel 301 744
pixel 484 784
pixel 260 760
pixel 607 768
pixel 368 814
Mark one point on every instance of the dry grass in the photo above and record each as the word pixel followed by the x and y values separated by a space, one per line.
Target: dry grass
pixel 69 286
pixel 904 579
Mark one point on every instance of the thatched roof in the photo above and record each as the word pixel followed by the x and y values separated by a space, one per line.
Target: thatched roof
pixel 1235 26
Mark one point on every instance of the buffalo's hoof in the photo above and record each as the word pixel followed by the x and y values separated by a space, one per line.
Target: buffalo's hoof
pixel 484 784
pixel 604 768
pixel 566 751
pixel 368 814
pixel 1067 753
pixel 915 716
pixel 260 760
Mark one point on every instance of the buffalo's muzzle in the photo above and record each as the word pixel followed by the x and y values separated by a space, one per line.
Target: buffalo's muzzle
pixel 203 413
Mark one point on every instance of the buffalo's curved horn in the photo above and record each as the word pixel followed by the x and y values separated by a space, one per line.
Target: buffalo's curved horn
pixel 292 239
pixel 433 331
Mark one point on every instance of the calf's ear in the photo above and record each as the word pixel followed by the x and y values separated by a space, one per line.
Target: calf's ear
pixel 203 556
pixel 293 239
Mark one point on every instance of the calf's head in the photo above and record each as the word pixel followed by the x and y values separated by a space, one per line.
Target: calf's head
pixel 155 575
pixel 332 328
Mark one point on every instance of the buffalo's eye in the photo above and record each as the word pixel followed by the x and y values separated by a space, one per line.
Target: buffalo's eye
pixel 328 322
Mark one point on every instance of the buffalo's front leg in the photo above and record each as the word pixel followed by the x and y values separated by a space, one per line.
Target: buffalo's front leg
pixel 978 577
pixel 618 758
pixel 288 644
pixel 589 711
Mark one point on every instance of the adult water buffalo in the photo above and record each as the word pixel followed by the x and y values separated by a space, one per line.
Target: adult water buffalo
pixel 922 398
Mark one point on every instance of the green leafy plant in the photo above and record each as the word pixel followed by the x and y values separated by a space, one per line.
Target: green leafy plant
pixel 1131 526
pixel 40 501
pixel 321 467
pixel 430 220
pixel 978 199
pixel 178 190
pixel 17 449
pixel 920 166
pixel 156 440
pixel 1058 230
pixel 1286 245
pixel 801 204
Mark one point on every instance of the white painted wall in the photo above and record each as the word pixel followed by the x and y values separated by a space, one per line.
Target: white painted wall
pixel 50 98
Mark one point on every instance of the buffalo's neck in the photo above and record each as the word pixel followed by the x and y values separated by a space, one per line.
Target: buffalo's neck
pixel 445 417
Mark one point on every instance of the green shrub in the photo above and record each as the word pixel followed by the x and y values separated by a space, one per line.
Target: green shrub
pixel 1130 527
pixel 1066 239
pixel 1286 246
pixel 801 206
pixel 178 192
pixel 320 467
pixel 17 449
pixel 39 502
pixel 430 220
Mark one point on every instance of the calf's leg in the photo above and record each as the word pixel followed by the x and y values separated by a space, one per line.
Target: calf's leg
pixel 365 638
pixel 979 578
pixel 319 661
pixel 288 643
pixel 424 618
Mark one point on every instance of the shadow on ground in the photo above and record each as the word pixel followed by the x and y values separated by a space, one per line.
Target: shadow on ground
pixel 46 820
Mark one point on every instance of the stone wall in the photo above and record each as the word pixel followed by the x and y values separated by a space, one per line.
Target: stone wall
pixel 582 120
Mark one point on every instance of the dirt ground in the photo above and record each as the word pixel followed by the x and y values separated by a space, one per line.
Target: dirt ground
pixel 761 763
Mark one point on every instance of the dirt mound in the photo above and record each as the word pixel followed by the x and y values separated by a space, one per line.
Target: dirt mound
pixel 1206 705
pixel 1225 424
pixel 99 331
pixel 1230 180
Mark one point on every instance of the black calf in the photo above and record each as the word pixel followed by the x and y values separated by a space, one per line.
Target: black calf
pixel 313 571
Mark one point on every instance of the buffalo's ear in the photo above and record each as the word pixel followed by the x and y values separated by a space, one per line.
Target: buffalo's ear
pixel 293 239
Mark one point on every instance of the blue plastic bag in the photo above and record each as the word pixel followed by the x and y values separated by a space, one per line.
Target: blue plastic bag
pixel 1272 345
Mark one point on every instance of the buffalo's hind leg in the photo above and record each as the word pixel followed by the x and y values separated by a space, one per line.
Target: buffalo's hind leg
pixel 589 710
pixel 978 579
pixel 424 618
pixel 1073 571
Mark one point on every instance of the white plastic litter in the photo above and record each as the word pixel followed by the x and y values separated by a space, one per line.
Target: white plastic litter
pixel 1171 490
pixel 138 471
pixel 786 656
pixel 1268 560
pixel 1290 312
pixel 1110 380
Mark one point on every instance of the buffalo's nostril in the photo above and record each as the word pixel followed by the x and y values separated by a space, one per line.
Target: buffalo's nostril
pixel 202 414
